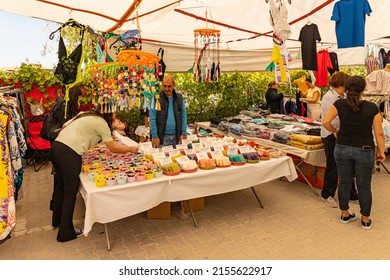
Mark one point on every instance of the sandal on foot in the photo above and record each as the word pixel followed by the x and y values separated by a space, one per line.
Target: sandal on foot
pixel 79 232
pixel 366 225
pixel 347 219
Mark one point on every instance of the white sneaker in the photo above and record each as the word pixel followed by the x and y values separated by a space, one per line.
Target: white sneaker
pixel 330 202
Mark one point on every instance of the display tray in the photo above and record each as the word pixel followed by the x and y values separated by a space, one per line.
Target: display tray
pixel 206 167
pixel 265 158
pixel 252 160
pixel 189 170
pixel 238 163
pixel 222 166
pixel 171 173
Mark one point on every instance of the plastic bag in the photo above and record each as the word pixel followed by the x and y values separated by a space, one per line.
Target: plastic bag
pixel 36 109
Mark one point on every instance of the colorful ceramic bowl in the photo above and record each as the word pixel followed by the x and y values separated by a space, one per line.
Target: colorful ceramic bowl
pixel 100 181
pixel 140 176
pixel 111 181
pixel 106 171
pixel 130 178
pixel 158 173
pixel 86 167
pixel 121 180
pixel 149 174
pixel 92 175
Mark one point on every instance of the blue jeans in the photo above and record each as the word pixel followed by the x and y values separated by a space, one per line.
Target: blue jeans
pixel 169 139
pixel 355 162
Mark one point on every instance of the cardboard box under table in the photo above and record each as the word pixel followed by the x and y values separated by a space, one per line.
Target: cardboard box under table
pixel 163 210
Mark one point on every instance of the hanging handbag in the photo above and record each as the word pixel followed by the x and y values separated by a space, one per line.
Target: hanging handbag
pixel 161 65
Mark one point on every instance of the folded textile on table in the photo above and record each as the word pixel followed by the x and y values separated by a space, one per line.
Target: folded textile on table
pixel 260 120
pixel 281 136
pixel 239 119
pixel 265 133
pixel 308 147
pixel 215 121
pixel 224 126
pixel 251 129
pixel 306 139
pixel 289 118
pixel 236 129
pixel 314 131
pixel 275 125
pixel 252 126
pixel 250 114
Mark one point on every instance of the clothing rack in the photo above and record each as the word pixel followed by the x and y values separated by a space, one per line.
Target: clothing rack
pixel 15 92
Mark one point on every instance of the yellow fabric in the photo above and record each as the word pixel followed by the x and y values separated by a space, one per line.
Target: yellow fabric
pixel 7 201
pixel 306 139
pixel 301 83
pixel 308 147
pixel 276 58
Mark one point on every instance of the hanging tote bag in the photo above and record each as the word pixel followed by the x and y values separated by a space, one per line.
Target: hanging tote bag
pixel 161 65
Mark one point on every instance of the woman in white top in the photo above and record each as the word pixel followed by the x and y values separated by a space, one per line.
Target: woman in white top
pixel 312 99
pixel 76 138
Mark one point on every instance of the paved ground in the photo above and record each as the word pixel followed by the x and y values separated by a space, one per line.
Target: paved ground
pixel 295 224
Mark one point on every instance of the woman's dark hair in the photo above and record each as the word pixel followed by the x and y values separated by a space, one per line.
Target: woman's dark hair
pixel 108 117
pixel 73 103
pixel 354 87
pixel 308 79
pixel 99 111
pixel 271 84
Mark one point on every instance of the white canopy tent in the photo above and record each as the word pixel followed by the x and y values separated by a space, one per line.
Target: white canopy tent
pixel 246 31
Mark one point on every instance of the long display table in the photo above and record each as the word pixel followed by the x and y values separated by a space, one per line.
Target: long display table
pixel 111 203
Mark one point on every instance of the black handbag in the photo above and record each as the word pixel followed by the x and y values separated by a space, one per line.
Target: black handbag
pixel 50 127
pixel 161 65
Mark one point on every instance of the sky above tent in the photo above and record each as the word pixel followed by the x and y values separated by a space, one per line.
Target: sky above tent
pixel 24 39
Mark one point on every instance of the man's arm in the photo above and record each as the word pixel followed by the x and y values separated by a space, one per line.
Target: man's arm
pixel 153 128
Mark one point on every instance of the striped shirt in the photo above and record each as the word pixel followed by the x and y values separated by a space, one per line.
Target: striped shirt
pixel 328 99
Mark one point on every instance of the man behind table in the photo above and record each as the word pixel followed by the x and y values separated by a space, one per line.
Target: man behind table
pixel 168 126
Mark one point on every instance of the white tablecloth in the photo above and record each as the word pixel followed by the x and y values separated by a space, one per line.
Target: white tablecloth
pixel 111 203
pixel 315 157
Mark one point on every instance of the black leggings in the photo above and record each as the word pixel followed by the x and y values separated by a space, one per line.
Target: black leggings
pixel 67 164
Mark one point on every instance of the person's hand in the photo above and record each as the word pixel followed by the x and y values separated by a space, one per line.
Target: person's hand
pixel 155 142
pixel 133 149
pixel 302 99
pixel 336 133
pixel 182 137
pixel 380 156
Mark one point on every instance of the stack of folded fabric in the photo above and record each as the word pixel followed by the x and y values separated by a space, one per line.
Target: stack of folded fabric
pixel 314 131
pixel 250 129
pixel 281 136
pixel 251 114
pixel 307 142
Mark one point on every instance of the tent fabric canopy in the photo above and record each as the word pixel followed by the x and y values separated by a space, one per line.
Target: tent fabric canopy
pixel 246 31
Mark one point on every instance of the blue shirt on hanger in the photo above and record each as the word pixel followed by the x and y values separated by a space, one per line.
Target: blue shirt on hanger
pixel 350 18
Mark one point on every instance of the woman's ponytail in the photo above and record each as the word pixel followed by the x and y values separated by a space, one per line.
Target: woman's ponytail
pixel 354 87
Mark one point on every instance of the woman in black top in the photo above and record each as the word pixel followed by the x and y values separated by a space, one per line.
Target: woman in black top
pixel 273 98
pixel 355 148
